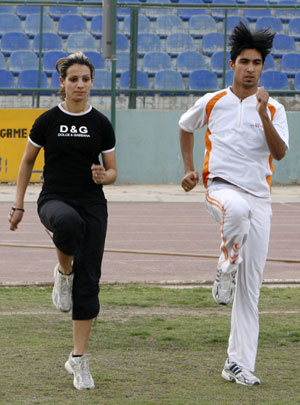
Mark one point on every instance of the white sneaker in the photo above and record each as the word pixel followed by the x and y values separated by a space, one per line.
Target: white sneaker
pixel 62 290
pixel 223 288
pixel 233 372
pixel 79 367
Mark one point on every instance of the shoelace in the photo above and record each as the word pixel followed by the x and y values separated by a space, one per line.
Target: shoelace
pixel 86 377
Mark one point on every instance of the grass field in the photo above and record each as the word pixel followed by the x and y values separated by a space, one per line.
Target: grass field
pixel 149 346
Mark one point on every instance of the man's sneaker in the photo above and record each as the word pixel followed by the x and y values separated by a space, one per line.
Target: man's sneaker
pixel 223 288
pixel 62 290
pixel 233 372
pixel 79 367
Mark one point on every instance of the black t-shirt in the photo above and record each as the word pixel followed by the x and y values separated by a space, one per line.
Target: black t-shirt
pixel 72 143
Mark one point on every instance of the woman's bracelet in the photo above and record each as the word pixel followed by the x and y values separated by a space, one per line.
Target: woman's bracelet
pixel 13 209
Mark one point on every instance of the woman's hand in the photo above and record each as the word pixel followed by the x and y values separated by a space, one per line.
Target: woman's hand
pixel 14 218
pixel 98 173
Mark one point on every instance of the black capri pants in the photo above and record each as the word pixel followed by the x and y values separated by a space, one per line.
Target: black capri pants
pixel 79 230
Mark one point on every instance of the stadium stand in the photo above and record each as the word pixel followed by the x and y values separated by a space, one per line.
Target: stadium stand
pixel 153 13
pixel 49 61
pixel 274 80
pixel 234 20
pixel 2 61
pixel 228 78
pixel 148 42
pixel 81 40
pixel 154 62
pixel 50 42
pixel 168 24
pixel 96 26
pixel 14 41
pixel 123 59
pixel 24 11
pixel 88 12
pixel 6 81
pixel 4 9
pixel 143 25
pixel 203 80
pixel 253 14
pixel 22 60
pixel 122 43
pixel 56 12
pixel 71 23
pixel 287 14
pixel 212 43
pixel 178 43
pixel 200 25
pixel 96 58
pixel 270 22
pixel 283 44
pixel 29 79
pixel 168 80
pixel 219 14
pixel 186 13
pixel 187 62
pixel 290 64
pixel 55 83
pixel 102 80
pixel 297 81
pixel 10 23
pixel 32 25
pixel 217 62
pixel 142 80
pixel 269 63
pixel 294 29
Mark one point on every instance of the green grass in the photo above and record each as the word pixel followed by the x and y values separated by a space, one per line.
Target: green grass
pixel 150 345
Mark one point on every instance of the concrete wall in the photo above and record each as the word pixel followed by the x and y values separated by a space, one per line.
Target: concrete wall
pixel 148 149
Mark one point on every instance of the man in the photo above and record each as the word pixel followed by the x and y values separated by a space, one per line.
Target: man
pixel 245 129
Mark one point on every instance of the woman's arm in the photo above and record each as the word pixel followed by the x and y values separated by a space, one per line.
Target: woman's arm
pixel 24 174
pixel 106 174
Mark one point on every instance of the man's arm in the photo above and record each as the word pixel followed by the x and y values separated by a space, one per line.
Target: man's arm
pixel 275 143
pixel 191 177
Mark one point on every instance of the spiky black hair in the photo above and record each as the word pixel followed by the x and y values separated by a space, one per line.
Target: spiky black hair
pixel 242 38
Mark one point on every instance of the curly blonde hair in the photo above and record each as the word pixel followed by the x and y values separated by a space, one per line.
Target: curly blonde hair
pixel 63 64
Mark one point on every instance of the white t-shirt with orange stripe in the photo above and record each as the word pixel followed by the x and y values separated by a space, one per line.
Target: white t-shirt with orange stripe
pixel 235 144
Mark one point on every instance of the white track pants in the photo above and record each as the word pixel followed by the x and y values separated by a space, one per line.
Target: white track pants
pixel 245 229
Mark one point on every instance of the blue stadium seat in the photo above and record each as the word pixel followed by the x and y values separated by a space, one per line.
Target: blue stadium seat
pixel 122 43
pixel 153 13
pixel 32 25
pixel 7 9
pixel 29 79
pixel 270 22
pixel 2 61
pixel 178 43
pixel 50 42
pixel 14 41
pixel 296 81
pixel 290 64
pixel 212 43
pixel 123 60
pixel 203 80
pixel 55 82
pixel 71 23
pixel 10 23
pixel 187 62
pixel 200 25
pixel 96 26
pixel 274 80
pixel 269 63
pixel 168 80
pixel 228 78
pixel 283 44
pixel 234 20
pixel 142 81
pixel 56 12
pixel 96 58
pixel 6 81
pixel 102 81
pixel 122 13
pixel 186 13
pixel 148 42
pixel 155 62
pixel 81 40
pixel 217 61
pixel 287 14
pixel 294 29
pixel 254 14
pixel 219 14
pixel 168 24
pixel 88 12
pixel 22 60
pixel 24 11
pixel 49 61
pixel 143 25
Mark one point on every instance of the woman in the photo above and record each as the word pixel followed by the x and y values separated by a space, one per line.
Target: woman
pixel 72 204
